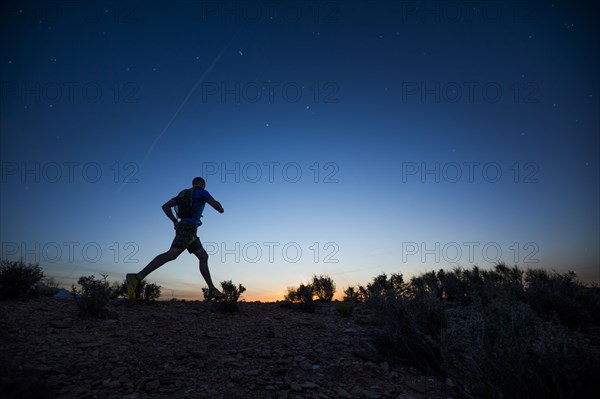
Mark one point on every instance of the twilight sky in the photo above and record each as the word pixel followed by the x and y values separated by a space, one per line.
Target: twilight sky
pixel 346 138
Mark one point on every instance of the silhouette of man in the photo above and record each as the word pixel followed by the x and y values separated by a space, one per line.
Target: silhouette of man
pixel 185 238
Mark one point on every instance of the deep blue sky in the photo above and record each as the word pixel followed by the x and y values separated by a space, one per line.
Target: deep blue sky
pixel 372 137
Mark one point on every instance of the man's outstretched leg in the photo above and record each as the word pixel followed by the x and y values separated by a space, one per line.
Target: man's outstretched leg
pixel 203 259
pixel 133 280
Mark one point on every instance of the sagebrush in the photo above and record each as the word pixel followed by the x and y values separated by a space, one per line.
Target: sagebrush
pixel 231 296
pixel 301 298
pixel 500 333
pixel 93 294
pixel 323 287
pixel 149 292
pixel 18 278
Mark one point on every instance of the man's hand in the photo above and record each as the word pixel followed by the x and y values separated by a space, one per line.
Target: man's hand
pixel 216 205
pixel 169 212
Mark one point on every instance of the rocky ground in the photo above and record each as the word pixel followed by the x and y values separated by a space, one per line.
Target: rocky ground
pixel 180 349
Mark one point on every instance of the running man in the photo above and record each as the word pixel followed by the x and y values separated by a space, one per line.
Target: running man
pixel 190 204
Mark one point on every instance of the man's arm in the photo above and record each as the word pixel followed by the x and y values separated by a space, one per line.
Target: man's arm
pixel 215 204
pixel 168 211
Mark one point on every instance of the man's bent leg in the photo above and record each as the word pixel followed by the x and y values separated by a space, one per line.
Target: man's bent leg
pixel 183 236
pixel 134 286
pixel 158 261
pixel 203 258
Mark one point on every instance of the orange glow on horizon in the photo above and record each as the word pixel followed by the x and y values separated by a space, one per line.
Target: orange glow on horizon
pixel 273 296
pixel 264 296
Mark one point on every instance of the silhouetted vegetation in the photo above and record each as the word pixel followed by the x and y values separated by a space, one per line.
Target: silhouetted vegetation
pixel 554 294
pixel 380 286
pixel 351 294
pixel 230 300
pixel 323 288
pixel 301 298
pixel 93 296
pixel 17 278
pixel 498 333
pixel 149 292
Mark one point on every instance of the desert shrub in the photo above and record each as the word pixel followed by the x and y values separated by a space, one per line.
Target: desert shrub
pixel 468 286
pixel 301 298
pixel 291 294
pixel 553 293
pixel 452 286
pixel 363 294
pixel 94 294
pixel 378 287
pixel 323 287
pixel 149 292
pixel 351 294
pixel 17 278
pixel 505 350
pixel 305 297
pixel 487 285
pixel 411 328
pixel 356 294
pixel 507 279
pixel 497 333
pixel 382 286
pixel 232 294
pixel 345 308
pixel 425 285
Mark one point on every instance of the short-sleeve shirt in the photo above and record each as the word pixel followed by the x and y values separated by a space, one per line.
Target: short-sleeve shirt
pixel 200 198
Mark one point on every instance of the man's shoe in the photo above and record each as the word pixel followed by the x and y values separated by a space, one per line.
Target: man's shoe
pixel 133 285
pixel 215 294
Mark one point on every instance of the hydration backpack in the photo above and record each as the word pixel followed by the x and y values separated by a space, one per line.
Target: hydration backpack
pixel 184 208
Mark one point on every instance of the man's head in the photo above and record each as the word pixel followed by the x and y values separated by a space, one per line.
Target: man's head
pixel 199 182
